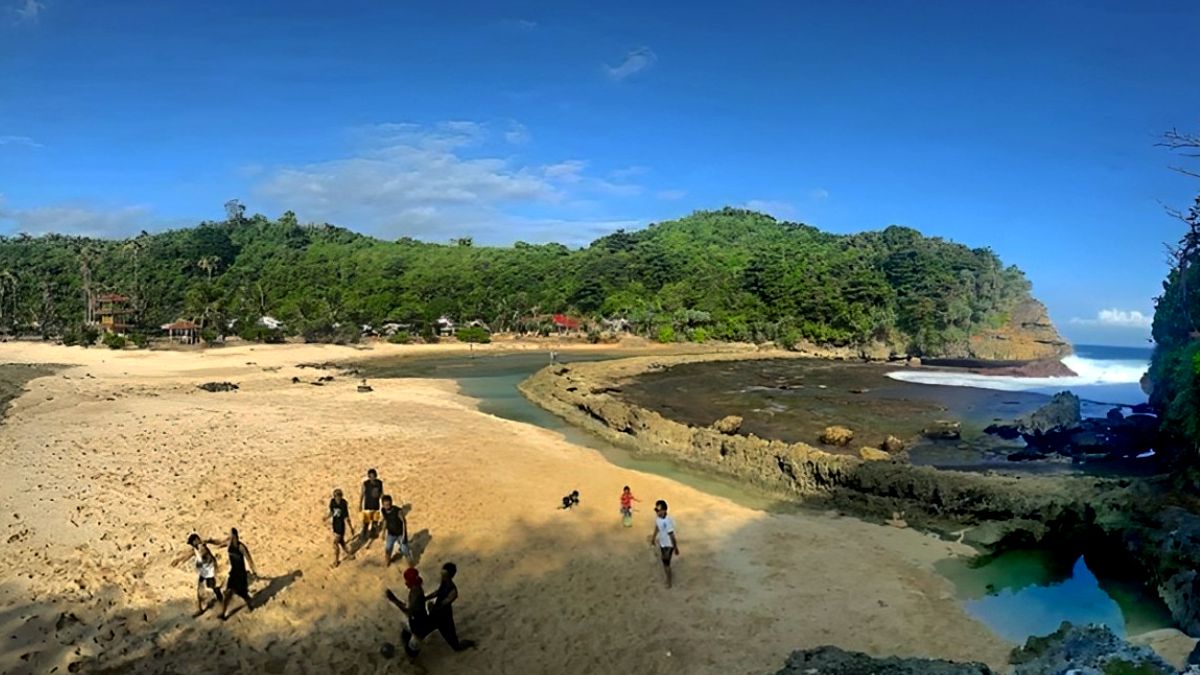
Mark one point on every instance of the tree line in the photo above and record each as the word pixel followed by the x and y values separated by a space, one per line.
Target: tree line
pixel 729 274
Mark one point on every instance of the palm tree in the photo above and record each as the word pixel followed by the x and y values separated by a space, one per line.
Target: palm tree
pixel 209 263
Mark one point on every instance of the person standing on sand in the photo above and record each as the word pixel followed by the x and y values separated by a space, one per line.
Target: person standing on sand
pixel 627 500
pixel 396 531
pixel 664 537
pixel 238 582
pixel 418 616
pixel 206 569
pixel 339 514
pixel 368 502
pixel 441 609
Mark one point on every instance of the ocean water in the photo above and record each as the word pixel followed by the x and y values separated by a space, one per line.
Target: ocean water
pixel 1105 376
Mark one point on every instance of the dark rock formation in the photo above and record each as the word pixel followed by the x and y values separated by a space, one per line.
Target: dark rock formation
pixel 218 386
pixel 1086 650
pixel 1042 368
pixel 835 661
pixel 1060 414
pixel 729 425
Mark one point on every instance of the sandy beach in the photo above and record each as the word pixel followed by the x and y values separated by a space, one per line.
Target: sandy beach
pixel 109 463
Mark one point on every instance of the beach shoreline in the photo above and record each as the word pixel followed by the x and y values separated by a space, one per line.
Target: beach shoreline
pixel 110 462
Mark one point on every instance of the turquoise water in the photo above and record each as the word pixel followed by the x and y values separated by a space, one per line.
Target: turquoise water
pixel 1030 592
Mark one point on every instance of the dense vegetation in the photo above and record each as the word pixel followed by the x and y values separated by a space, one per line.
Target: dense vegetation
pixel 729 274
pixel 1175 367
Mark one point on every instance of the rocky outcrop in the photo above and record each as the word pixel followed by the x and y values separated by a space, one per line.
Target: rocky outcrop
pixel 836 435
pixel 835 661
pixel 218 386
pixel 1086 650
pixel 873 455
pixel 892 445
pixel 1057 428
pixel 1029 335
pixel 1061 413
pixel 730 424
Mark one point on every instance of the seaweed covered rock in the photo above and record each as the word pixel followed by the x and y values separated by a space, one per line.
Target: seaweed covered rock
pixel 1085 650
pixel 835 661
pixel 836 435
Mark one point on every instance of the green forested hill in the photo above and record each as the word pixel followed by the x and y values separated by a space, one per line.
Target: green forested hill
pixel 728 274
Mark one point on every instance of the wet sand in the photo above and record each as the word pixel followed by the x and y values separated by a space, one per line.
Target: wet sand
pixel 110 463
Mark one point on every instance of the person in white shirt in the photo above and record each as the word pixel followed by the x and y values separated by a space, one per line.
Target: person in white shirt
pixel 664 537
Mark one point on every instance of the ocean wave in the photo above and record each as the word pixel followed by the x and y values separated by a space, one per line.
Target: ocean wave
pixel 1088 372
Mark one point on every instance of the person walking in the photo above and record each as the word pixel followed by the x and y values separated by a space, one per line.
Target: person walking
pixel 664 537
pixel 206 569
pixel 339 515
pixel 627 500
pixel 395 531
pixel 238 582
pixel 441 609
pixel 368 503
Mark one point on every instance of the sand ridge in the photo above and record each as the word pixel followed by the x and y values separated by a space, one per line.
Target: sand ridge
pixel 109 464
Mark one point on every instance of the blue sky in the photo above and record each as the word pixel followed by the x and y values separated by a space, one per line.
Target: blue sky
pixel 1025 126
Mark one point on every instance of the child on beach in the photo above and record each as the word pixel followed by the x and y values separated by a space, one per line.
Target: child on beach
pixel 664 537
pixel 395 529
pixel 368 502
pixel 627 500
pixel 206 569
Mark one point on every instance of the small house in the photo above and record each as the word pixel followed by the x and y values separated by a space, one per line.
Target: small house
pixel 112 312
pixel 444 326
pixel 185 332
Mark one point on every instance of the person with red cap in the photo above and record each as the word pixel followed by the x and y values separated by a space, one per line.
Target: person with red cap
pixel 419 624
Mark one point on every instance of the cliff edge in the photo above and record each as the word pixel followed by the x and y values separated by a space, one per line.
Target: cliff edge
pixel 1029 335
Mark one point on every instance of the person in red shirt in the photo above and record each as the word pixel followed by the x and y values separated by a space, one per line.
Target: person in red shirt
pixel 627 500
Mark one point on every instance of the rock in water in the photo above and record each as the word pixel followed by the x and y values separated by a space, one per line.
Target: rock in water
pixel 836 435
pixel 1087 649
pixel 892 444
pixel 1060 414
pixel 873 454
pixel 944 430
pixel 835 661
pixel 730 424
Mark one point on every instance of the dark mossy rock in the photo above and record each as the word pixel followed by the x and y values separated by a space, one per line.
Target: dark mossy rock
pixel 835 661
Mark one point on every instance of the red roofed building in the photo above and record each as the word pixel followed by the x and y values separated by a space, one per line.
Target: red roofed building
pixel 564 323
pixel 186 332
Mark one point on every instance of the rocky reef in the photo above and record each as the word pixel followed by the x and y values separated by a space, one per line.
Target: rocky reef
pixel 1073 650
pixel 1058 428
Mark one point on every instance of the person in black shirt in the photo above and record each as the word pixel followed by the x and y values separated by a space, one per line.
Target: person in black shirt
pixel 396 531
pixel 238 582
pixel 441 609
pixel 368 502
pixel 339 514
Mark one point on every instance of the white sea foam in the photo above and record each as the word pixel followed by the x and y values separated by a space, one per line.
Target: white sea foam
pixel 1089 372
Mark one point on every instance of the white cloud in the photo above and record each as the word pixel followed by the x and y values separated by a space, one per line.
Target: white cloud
pixel 29 11
pixel 440 181
pixel 78 219
pixel 517 134
pixel 635 61
pixel 818 194
pixel 779 209
pixel 1117 318
pixel 20 140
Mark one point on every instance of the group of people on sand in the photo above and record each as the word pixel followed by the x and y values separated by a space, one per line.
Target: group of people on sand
pixel 425 614
pixel 238 581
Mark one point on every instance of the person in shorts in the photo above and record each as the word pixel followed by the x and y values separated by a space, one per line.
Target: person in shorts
pixel 339 516
pixel 368 502
pixel 395 531
pixel 664 537
pixel 206 569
